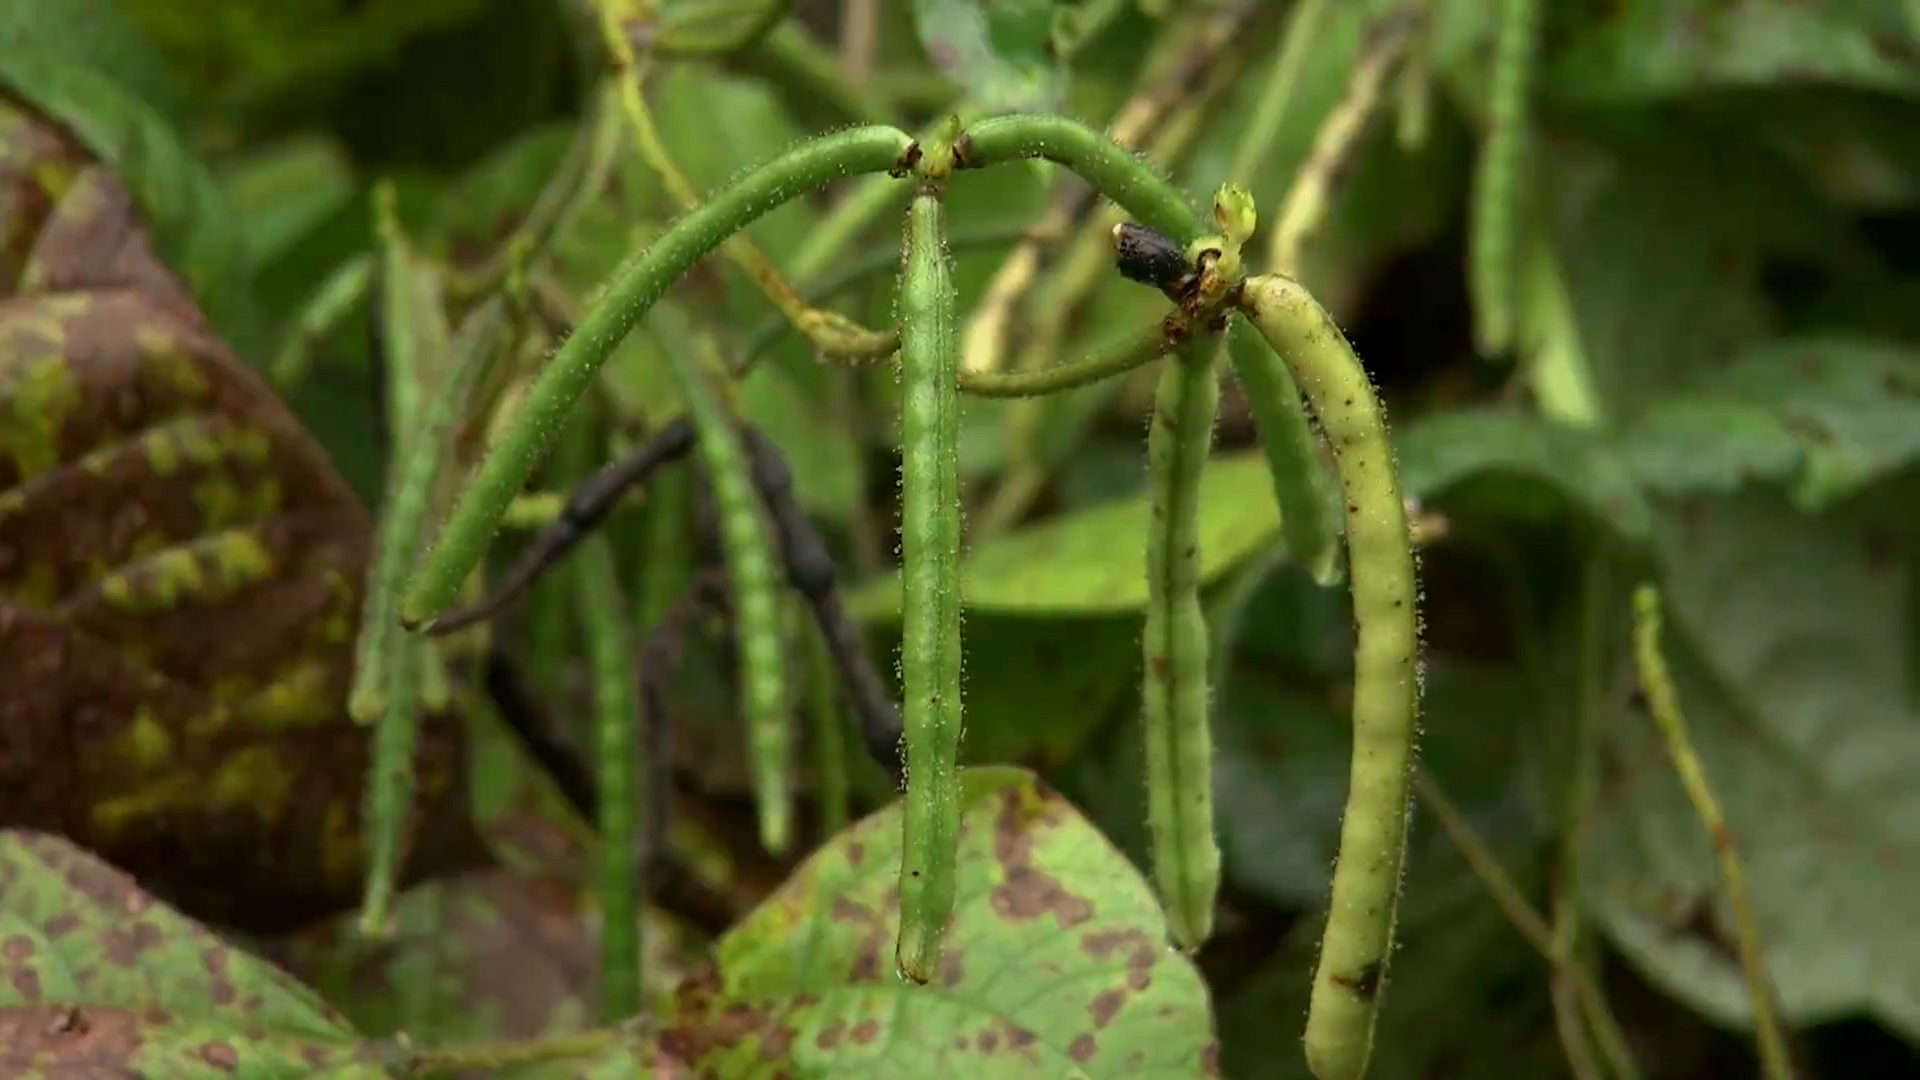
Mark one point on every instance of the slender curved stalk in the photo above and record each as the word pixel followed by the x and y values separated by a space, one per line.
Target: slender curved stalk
pixel 338 294
pixel 1491 252
pixel 1293 457
pixel 832 333
pixel 635 288
pixel 1663 701
pixel 1117 358
pixel 1358 940
pixel 930 654
pixel 618 775
pixel 1108 166
pixel 1179 741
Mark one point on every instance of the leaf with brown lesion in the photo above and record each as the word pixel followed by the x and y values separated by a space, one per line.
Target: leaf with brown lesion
pixel 180 576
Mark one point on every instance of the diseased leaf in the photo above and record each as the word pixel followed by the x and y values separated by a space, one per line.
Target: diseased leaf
pixel 1056 963
pixel 1786 640
pixel 194 232
pixel 1093 561
pixel 180 572
pixel 100 976
pixel 998 51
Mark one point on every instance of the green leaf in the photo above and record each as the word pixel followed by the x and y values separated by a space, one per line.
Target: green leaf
pixel 100 974
pixel 1446 450
pixel 1644 49
pixel 709 27
pixel 194 231
pixel 1094 561
pixel 286 191
pixel 998 51
pixel 1786 636
pixel 1649 326
pixel 96 34
pixel 1056 961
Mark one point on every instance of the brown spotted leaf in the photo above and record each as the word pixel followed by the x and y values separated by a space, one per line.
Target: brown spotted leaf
pixel 1056 965
pixel 97 978
pixel 180 571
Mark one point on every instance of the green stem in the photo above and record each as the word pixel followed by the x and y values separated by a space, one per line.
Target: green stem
pixel 1113 170
pixel 1386 682
pixel 634 290
pixel 342 290
pixel 1116 358
pixel 830 737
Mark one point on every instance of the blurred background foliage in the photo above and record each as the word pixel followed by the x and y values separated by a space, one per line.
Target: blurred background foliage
pixel 1716 386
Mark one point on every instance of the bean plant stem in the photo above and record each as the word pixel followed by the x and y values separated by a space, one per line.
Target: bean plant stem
pixel 1663 701
pixel 635 288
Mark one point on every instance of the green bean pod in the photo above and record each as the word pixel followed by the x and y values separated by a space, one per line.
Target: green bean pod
pixel 1293 459
pixel 633 291
pixel 754 581
pixel 1386 679
pixel 1112 169
pixel 1492 255
pixel 618 774
pixel 1179 742
pixel 930 583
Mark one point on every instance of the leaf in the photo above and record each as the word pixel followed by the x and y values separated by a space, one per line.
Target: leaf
pixel 1645 49
pixel 96 34
pixel 1094 561
pixel 1000 52
pixel 704 27
pixel 194 231
pixel 101 977
pixel 1830 413
pixel 180 572
pixel 286 191
pixel 1786 636
pixel 1651 326
pixel 238 52
pixel 1445 450
pixel 1056 963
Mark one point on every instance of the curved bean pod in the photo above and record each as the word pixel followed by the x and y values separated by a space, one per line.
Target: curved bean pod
pixel 1292 453
pixel 1179 741
pixel 635 288
pixel 619 775
pixel 1386 689
pixel 1491 255
pixel 754 583
pixel 930 581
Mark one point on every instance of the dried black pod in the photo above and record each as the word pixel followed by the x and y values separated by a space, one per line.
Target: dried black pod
pixel 1149 258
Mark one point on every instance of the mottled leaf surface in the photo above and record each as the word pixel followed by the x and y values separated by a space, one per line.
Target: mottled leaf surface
pixel 1056 964
pixel 100 978
pixel 180 573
